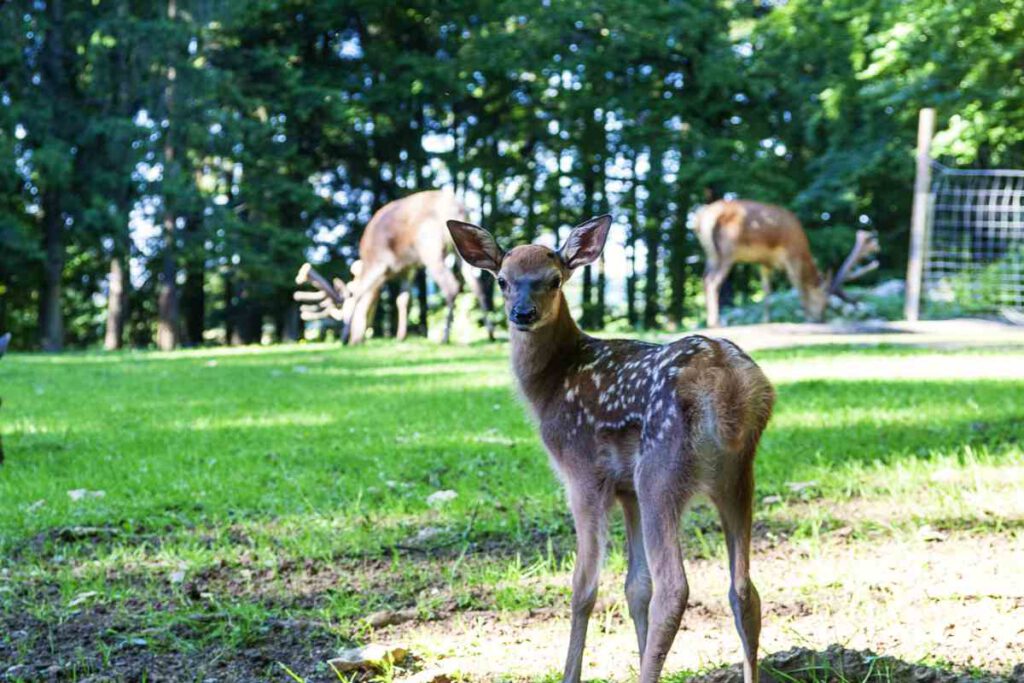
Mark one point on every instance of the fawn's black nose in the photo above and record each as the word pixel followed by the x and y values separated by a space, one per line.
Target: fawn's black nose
pixel 523 315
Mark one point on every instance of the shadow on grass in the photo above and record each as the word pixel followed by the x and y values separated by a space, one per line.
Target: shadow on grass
pixel 837 664
pixel 101 644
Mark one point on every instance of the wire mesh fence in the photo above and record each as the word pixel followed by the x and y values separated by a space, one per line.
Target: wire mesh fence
pixel 974 261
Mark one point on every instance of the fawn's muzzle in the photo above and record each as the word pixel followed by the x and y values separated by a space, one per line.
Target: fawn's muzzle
pixel 523 315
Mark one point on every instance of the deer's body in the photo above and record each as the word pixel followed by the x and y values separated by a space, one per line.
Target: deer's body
pixel 741 231
pixel 402 236
pixel 649 425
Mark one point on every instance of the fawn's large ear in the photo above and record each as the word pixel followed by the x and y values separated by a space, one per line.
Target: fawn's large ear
pixel 476 246
pixel 586 241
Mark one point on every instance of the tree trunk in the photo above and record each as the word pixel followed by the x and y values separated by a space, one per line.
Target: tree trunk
pixel 557 222
pixel 587 299
pixel 229 309
pixel 193 302
pixel 602 208
pixel 652 238
pixel 492 219
pixel 589 185
pixel 248 327
pixel 634 227
pixel 530 229
pixel 51 317
pixel 677 263
pixel 167 294
pixel 117 303
pixel 167 332
pixel 290 328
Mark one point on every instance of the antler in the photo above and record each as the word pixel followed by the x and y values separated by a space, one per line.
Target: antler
pixel 865 245
pixel 323 303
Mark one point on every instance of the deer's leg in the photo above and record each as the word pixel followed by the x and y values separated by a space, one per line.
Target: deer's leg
pixel 638 576
pixel 470 276
pixel 766 287
pixel 589 504
pixel 714 276
pixel 662 495
pixel 402 304
pixel 366 304
pixel 735 508
pixel 363 315
pixel 449 286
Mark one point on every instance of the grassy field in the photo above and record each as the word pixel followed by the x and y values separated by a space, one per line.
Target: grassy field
pixel 224 514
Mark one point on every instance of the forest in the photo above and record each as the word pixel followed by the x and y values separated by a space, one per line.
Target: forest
pixel 165 167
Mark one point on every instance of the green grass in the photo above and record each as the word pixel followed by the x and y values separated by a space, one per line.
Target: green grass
pixel 233 479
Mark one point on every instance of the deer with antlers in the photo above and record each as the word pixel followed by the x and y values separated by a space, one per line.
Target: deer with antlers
pixel 650 425
pixel 402 236
pixel 740 231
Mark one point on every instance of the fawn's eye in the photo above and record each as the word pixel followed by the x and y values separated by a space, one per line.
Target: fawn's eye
pixel 556 282
pixel 502 282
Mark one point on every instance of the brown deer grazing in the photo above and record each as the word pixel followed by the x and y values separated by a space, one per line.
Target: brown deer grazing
pixel 648 424
pixel 740 231
pixel 400 237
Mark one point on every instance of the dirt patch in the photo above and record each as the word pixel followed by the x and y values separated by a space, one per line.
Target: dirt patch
pixel 957 601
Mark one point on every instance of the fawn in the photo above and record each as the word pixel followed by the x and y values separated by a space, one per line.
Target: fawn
pixel 648 424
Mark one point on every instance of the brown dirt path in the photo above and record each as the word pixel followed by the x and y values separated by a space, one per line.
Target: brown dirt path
pixel 957 602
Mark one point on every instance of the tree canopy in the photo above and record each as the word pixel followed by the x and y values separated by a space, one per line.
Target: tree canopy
pixel 165 167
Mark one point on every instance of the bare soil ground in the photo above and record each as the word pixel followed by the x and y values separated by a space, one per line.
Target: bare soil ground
pixel 956 602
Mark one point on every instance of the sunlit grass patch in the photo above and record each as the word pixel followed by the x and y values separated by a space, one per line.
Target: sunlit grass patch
pixel 229 493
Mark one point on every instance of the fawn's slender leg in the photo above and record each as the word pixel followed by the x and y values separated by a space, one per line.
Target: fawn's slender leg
pixel 766 288
pixel 735 509
pixel 589 511
pixel 662 499
pixel 638 576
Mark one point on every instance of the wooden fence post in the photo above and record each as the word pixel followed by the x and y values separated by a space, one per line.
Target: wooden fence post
pixel 919 217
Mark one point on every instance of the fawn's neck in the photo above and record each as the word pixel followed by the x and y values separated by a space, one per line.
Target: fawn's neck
pixel 541 357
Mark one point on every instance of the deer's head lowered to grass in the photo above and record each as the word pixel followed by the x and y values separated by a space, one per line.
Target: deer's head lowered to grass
pixel 647 424
pixel 328 299
pixel 401 237
pixel 741 231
